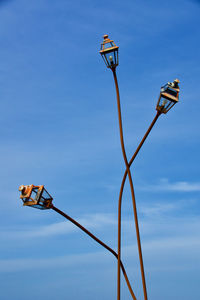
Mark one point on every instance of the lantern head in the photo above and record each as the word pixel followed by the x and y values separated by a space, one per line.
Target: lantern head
pixel 169 96
pixel 35 196
pixel 109 52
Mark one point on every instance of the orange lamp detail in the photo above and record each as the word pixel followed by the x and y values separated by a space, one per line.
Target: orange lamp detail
pixel 35 196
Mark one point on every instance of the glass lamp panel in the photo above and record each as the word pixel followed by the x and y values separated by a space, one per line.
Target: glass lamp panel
pixel 165 104
pixel 117 57
pixel 46 195
pixel 108 45
pixel 45 199
pixel 34 193
pixel 104 58
pixel 111 58
pixel 38 193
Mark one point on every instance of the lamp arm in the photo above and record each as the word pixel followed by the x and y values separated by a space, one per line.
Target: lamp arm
pixel 133 200
pixel 99 242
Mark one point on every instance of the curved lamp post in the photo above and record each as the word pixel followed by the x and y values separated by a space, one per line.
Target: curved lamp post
pixel 38 197
pixel 167 99
pixel 161 108
pixel 110 56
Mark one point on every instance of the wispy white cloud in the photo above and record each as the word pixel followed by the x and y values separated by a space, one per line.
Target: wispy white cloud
pixel 179 186
pixel 92 221
pixel 161 233
pixel 167 244
pixel 16 265
pixel 158 208
pixel 152 248
pixel 156 217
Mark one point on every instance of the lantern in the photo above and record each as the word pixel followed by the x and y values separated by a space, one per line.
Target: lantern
pixel 169 96
pixel 35 196
pixel 109 52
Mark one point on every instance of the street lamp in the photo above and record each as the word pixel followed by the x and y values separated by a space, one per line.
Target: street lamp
pixel 38 197
pixel 169 95
pixel 105 53
pixel 35 196
pixel 109 52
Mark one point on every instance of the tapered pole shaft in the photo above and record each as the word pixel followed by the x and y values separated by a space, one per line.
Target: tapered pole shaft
pixel 133 200
pixel 99 242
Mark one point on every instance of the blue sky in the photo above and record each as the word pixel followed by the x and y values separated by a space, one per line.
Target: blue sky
pixel 59 128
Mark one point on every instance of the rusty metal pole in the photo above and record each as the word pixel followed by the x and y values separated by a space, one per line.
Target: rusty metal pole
pixel 99 242
pixel 133 200
pixel 123 182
